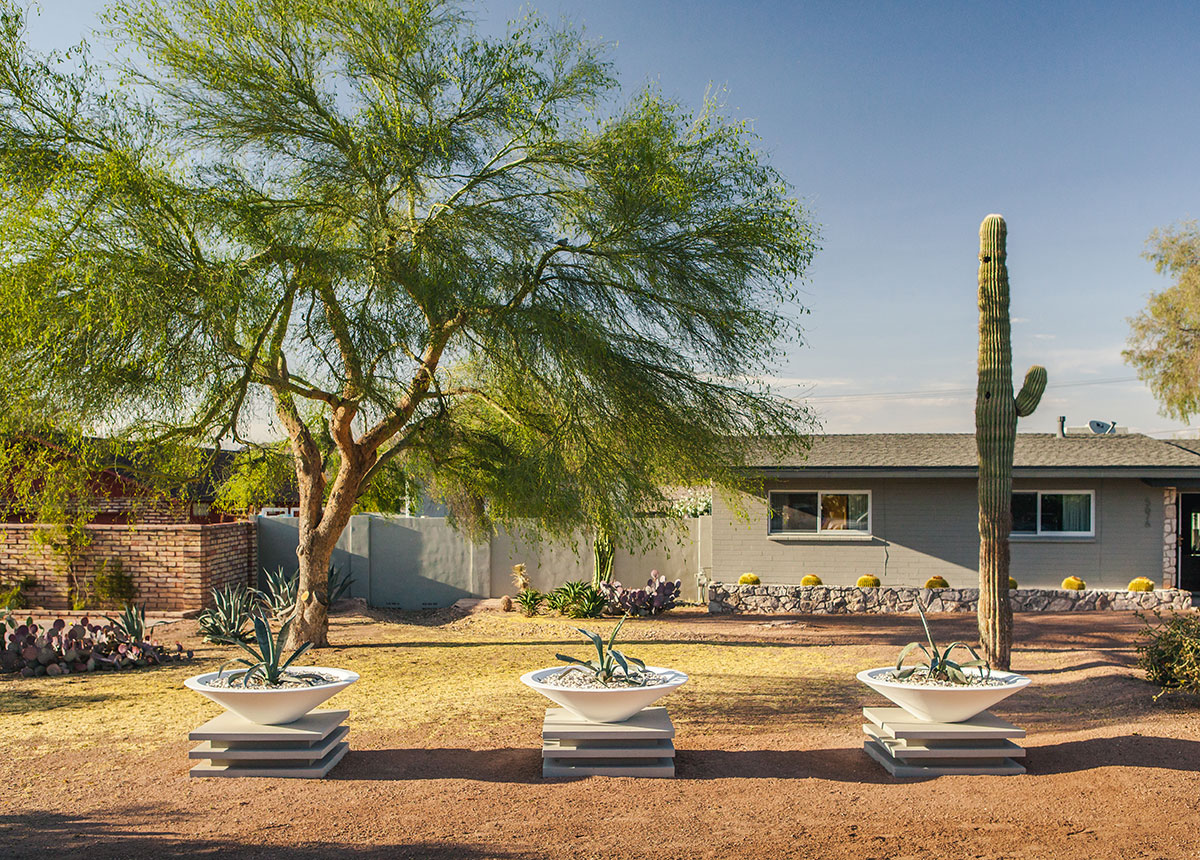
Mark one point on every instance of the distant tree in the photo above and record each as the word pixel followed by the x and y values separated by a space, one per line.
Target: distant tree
pixel 1164 339
pixel 365 219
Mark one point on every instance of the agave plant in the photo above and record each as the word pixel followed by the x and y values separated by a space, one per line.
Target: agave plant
pixel 225 622
pixel 576 600
pixel 530 601
pixel 608 659
pixel 131 623
pixel 339 584
pixel 280 594
pixel 268 663
pixel 938 665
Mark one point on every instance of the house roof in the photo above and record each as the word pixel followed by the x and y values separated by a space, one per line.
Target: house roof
pixel 1130 453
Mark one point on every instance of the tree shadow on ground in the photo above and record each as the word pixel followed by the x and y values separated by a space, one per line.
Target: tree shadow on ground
pixel 849 764
pixel 1123 751
pixel 422 763
pixel 41 834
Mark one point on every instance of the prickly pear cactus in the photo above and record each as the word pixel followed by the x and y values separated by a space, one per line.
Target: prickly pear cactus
pixel 996 413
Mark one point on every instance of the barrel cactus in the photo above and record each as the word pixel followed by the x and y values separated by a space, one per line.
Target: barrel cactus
pixel 937 582
pixel 868 581
pixel 996 413
pixel 1012 584
pixel 1074 583
pixel 1142 583
pixel 748 579
pixel 811 579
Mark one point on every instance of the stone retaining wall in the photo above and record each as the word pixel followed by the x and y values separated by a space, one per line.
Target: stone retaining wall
pixel 839 600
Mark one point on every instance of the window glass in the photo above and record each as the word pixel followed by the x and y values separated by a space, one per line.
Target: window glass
pixel 1024 513
pixel 1066 512
pixel 844 511
pixel 793 512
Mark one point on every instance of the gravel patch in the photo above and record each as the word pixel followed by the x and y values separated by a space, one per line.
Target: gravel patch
pixel 920 679
pixel 290 680
pixel 587 681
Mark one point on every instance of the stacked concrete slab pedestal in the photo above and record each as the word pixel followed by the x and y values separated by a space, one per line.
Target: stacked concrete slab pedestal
pixel 639 746
pixel 305 749
pixel 908 747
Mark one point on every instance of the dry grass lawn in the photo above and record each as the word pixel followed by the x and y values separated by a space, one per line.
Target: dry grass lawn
pixel 445 753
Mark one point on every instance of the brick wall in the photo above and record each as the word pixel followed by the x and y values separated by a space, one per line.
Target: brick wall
pixel 173 566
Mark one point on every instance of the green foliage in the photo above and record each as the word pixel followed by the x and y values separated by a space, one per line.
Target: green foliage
pixel 936 582
pixel 339 584
pixel 421 247
pixel 1141 583
pixel 530 601
pixel 748 579
pixel 608 659
pixel 868 581
pixel 267 653
pixel 112 586
pixel 1169 652
pixel 258 476
pixel 1074 583
pixel 693 503
pixel 1162 344
pixel 14 597
pixel 604 550
pixel 225 621
pixel 938 665
pixel 810 579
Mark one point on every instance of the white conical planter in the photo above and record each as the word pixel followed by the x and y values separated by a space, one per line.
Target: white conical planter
pixel 268 707
pixel 604 706
pixel 942 704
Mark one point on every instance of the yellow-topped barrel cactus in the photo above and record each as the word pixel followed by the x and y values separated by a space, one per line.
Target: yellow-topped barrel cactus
pixel 1142 583
pixel 996 413
pixel 1074 583
pixel 1012 584
pixel 868 581
pixel 811 579
pixel 748 579
pixel 937 582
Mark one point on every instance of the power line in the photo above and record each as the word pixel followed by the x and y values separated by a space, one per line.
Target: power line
pixel 943 392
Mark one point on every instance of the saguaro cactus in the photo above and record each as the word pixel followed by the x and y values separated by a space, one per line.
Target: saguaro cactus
pixel 996 413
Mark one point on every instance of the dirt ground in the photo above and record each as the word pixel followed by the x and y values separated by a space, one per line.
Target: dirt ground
pixel 445 759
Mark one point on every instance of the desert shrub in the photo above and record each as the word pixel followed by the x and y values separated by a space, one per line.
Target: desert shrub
pixel 936 582
pixel 748 579
pixel 63 649
pixel 811 579
pixel 1141 583
pixel 1169 652
pixel 14 597
pixel 658 596
pixel 530 601
pixel 576 600
pixel 1074 583
pixel 868 581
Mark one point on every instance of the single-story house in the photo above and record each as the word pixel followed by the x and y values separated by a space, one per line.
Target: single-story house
pixel 902 506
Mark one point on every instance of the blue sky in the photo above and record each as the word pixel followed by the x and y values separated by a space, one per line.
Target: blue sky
pixel 901 125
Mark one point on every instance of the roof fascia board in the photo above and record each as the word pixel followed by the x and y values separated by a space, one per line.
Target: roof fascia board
pixel 1168 475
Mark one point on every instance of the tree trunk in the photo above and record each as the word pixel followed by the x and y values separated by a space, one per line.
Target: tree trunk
pixel 310 620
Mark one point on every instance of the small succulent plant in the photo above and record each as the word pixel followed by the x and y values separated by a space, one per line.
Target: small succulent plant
pixel 520 577
pixel 608 660
pixel 1074 583
pixel 868 581
pixel 938 665
pixel 658 596
pixel 131 623
pixel 280 594
pixel 225 621
pixel 268 663
pixel 529 602
pixel 937 582
pixel 748 579
pixel 64 648
pixel 576 600
pixel 811 579
pixel 1141 583
pixel 1012 584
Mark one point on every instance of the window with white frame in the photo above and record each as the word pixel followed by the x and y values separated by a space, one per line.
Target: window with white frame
pixel 831 513
pixel 1066 513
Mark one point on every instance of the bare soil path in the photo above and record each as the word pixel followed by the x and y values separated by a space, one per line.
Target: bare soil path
pixel 445 756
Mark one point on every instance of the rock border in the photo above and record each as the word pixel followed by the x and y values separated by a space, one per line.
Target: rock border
pixel 731 598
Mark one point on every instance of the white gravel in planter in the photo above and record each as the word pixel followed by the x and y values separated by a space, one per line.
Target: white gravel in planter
pixel 587 681
pixel 920 679
pixel 288 681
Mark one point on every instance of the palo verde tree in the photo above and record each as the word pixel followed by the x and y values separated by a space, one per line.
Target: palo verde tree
pixel 364 219
pixel 1164 339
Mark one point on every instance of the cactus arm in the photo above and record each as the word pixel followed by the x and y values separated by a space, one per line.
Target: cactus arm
pixel 1031 392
